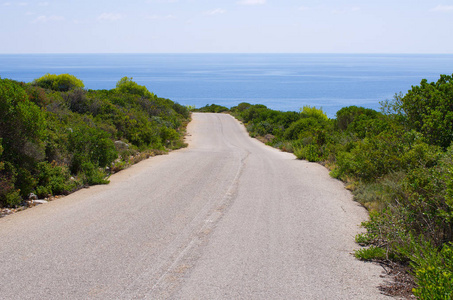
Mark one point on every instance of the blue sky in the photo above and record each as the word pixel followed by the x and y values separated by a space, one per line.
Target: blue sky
pixel 187 26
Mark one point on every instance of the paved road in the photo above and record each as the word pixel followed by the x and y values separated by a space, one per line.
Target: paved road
pixel 226 218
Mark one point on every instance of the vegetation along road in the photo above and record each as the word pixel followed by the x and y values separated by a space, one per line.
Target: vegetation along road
pixel 227 217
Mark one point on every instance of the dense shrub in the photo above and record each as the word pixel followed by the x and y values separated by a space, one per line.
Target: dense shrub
pixel 213 108
pixel 8 194
pixel 22 125
pixel 56 137
pixel 90 145
pixel 428 108
pixel 312 112
pixel 360 121
pixel 127 86
pixel 60 83
pixel 53 179
pixel 433 270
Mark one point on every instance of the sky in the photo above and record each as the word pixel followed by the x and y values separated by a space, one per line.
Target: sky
pixel 222 26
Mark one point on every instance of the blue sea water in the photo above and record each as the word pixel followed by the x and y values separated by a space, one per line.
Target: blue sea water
pixel 279 81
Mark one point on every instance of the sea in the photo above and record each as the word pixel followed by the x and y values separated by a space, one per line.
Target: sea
pixel 284 82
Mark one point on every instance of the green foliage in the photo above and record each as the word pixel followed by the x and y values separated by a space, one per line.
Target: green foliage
pixel 312 112
pixel 60 83
pixel 309 152
pixel 22 125
pixel 37 95
pixel 2 165
pixel 302 128
pixel 264 122
pixel 213 108
pixel 91 148
pixel 191 107
pixel 77 101
pixel 370 253
pixel 360 121
pixel 241 107
pixel 127 86
pixel 9 194
pixel 434 272
pixel 364 239
pixel 55 138
pixel 351 114
pixel 53 180
pixel 91 174
pixel 428 108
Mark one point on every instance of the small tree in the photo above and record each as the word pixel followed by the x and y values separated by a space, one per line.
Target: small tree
pixel 428 108
pixel 22 125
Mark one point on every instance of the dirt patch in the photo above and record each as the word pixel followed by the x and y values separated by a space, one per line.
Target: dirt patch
pixel 399 281
pixel 265 139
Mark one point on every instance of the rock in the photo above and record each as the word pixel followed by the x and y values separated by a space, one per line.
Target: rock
pixel 39 202
pixel 120 145
pixel 32 197
pixel 269 138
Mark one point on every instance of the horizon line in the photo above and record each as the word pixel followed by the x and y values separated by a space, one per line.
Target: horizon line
pixel 243 53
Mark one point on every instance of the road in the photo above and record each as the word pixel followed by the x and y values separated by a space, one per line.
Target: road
pixel 225 218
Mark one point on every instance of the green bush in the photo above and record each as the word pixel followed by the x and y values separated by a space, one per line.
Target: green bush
pixel 370 253
pixel 60 83
pixel 302 128
pixel 241 107
pixel 213 108
pixel 22 126
pixel 90 145
pixel 56 137
pixel 312 112
pixel 127 86
pixel 2 164
pixel 433 267
pixel 434 272
pixel 358 120
pixel 37 95
pixel 77 101
pixel 53 180
pixel 310 152
pixel 91 174
pixel 428 108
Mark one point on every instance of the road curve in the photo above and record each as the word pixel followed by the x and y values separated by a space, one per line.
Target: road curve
pixel 225 218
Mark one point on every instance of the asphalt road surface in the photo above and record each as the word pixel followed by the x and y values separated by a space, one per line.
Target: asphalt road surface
pixel 225 218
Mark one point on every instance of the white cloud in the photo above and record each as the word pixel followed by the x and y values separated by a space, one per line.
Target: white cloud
pixel 45 19
pixel 22 4
pixel 442 8
pixel 217 11
pixel 110 17
pixel 303 8
pixel 252 2
pixel 7 4
pixel 43 4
